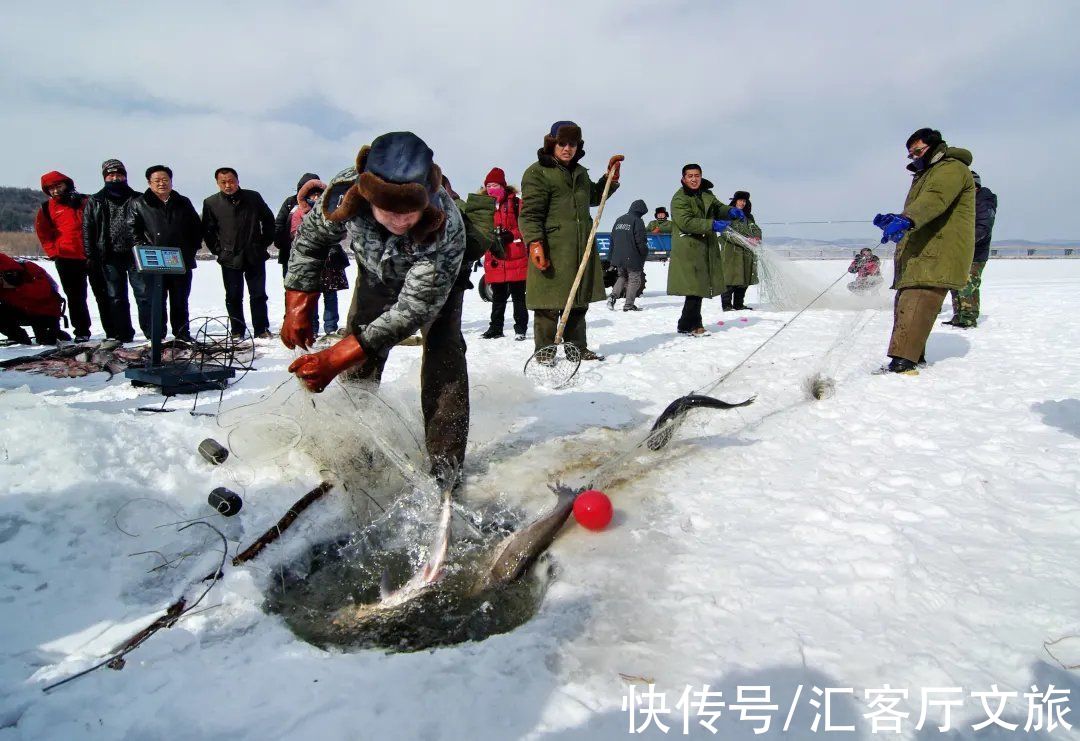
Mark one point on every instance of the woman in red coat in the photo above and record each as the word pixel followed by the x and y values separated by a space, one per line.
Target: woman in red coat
pixel 506 265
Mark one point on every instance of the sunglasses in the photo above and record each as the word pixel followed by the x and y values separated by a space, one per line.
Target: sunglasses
pixel 917 152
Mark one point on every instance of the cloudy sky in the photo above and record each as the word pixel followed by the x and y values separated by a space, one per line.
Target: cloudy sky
pixel 805 104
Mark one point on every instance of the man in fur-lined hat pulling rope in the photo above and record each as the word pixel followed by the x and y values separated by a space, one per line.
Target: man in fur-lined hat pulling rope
pixel 409 241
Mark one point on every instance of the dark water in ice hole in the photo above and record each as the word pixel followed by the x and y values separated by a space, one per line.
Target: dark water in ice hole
pixel 347 572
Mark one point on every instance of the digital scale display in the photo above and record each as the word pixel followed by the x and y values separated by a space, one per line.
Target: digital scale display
pixel 160 260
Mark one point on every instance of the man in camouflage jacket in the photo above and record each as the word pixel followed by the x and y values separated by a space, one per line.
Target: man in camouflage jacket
pixel 409 241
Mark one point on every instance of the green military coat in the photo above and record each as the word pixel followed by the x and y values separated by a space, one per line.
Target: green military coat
pixel 938 250
pixel 664 226
pixel 740 263
pixel 695 267
pixel 555 203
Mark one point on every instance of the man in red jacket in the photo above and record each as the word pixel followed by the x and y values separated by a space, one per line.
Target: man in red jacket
pixel 59 227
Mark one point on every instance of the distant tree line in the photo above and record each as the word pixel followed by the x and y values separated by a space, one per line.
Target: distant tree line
pixel 18 207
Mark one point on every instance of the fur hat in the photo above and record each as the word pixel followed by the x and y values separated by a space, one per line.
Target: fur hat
pixel 113 165
pixel 660 210
pixel 745 195
pixel 496 176
pixel 395 173
pixel 564 132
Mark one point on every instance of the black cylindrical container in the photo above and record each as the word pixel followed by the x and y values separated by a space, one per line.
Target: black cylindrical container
pixel 226 502
pixel 213 451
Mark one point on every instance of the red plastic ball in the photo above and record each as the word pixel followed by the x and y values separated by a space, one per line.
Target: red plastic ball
pixel 592 509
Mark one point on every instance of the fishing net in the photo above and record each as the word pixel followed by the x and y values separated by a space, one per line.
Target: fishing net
pixel 553 366
pixel 787 285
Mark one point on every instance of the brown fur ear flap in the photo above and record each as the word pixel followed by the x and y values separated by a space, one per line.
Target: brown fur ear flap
pixel 348 204
pixel 361 158
pixel 549 145
pixel 430 226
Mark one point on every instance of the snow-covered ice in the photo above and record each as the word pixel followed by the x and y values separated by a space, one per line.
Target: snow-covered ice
pixel 907 532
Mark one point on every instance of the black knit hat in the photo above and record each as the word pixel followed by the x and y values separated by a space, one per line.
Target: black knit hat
pixel 113 165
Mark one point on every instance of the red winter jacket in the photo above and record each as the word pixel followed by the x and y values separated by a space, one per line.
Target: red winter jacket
pixel 59 224
pixel 27 287
pixel 516 264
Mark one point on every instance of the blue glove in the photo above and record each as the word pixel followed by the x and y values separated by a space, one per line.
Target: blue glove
pixel 719 226
pixel 893 227
pixel 737 213
pixel 883 220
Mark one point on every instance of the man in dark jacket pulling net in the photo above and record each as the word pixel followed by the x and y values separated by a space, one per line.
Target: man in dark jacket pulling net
pixel 936 241
pixel 409 242
pixel 238 227
pixel 106 241
pixel 161 217
pixel 965 302
pixel 629 250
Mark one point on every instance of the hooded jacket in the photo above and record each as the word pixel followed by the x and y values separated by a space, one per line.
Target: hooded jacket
pixel 514 266
pixel 938 249
pixel 282 231
pixel 985 213
pixel 59 221
pixel 629 246
pixel 238 228
pixel 105 234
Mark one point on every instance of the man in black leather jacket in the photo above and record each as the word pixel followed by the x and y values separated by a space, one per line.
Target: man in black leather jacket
pixel 161 217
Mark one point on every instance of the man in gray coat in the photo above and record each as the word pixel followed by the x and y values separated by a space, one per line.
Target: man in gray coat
pixel 629 248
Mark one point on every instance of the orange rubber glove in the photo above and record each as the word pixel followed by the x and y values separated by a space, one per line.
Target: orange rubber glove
pixel 613 166
pixel 536 254
pixel 317 370
pixel 296 330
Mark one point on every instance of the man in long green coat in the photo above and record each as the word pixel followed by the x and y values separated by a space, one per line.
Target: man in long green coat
pixel 555 222
pixel 936 242
pixel 740 262
pixel 696 270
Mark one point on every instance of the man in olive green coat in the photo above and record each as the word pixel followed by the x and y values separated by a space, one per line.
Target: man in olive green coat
pixel 936 236
pixel 660 224
pixel 555 222
pixel 696 270
pixel 740 262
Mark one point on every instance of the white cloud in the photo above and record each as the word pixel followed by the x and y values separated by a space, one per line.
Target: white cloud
pixel 806 105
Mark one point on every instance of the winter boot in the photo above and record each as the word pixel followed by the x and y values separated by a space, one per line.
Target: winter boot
pixel 492 334
pixel 903 366
pixel 611 302
pixel 725 301
pixel 587 354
